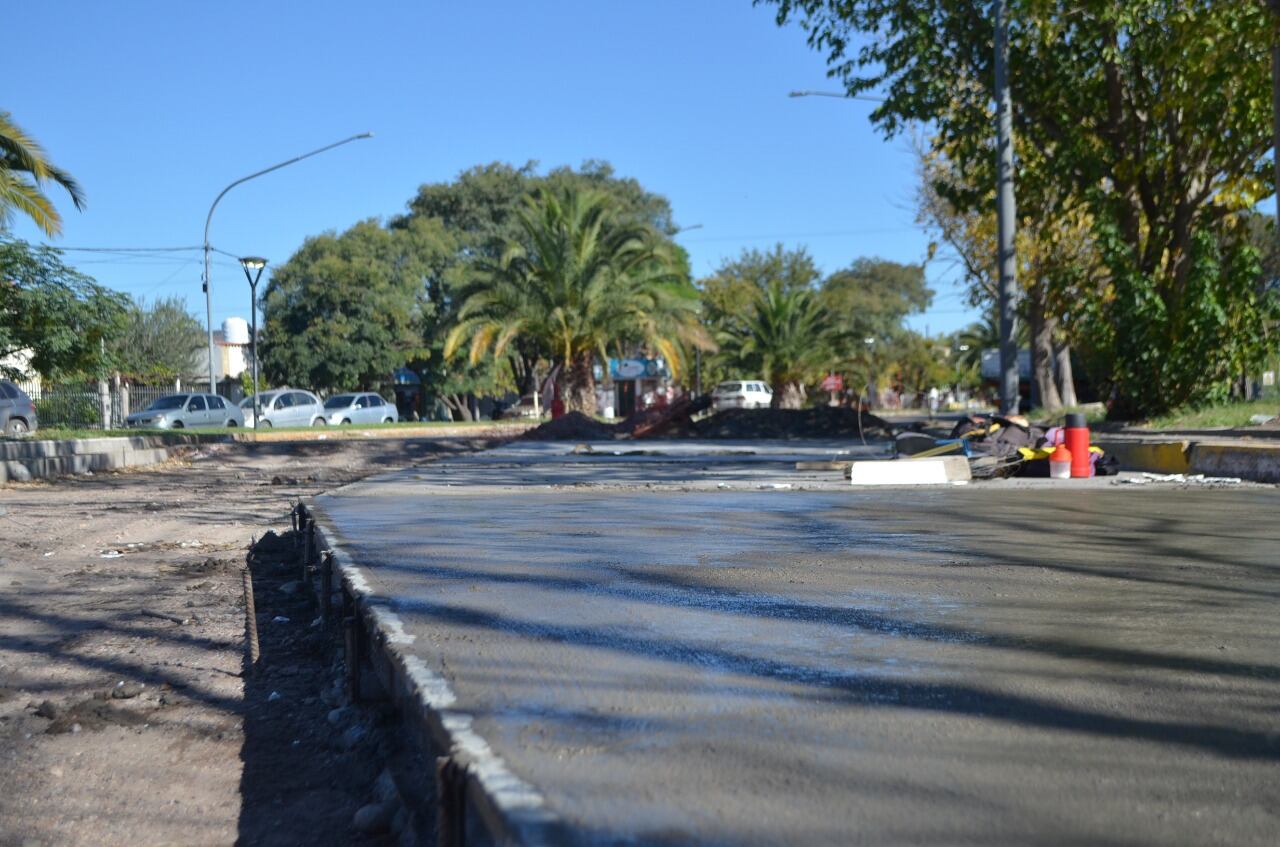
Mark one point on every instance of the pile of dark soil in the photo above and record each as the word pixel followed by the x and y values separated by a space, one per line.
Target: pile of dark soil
pixel 818 422
pixel 675 422
pixel 573 426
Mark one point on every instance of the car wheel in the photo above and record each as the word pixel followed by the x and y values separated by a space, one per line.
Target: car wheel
pixel 318 422
pixel 388 420
pixel 264 424
pixel 231 424
pixel 178 425
pixel 346 421
pixel 15 427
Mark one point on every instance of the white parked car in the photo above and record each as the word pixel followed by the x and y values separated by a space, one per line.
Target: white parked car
pixel 359 408
pixel 179 411
pixel 742 394
pixel 285 407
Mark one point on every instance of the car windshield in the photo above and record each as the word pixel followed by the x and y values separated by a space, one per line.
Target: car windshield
pixel 173 401
pixel 342 401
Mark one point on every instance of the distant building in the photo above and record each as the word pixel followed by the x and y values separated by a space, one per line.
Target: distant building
pixel 232 355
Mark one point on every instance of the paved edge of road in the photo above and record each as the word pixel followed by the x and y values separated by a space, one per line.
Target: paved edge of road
pixel 1253 461
pixel 508 808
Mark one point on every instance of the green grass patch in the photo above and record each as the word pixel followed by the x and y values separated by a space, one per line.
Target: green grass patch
pixel 1212 417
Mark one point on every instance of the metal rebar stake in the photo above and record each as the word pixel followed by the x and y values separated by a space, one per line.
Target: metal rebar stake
pixel 250 614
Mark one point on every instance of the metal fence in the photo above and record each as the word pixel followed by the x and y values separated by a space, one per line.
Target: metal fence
pixel 98 405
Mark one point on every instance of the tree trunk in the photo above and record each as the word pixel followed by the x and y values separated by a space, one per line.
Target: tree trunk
pixel 787 395
pixel 578 386
pixel 1066 378
pixel 1042 353
pixel 458 406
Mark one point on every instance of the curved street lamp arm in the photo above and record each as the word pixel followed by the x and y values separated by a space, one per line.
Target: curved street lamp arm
pixel 276 167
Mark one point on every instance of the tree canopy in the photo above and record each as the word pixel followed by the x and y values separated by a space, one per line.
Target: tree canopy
pixel 583 275
pixel 56 315
pixel 158 340
pixel 25 170
pixel 1151 116
pixel 346 310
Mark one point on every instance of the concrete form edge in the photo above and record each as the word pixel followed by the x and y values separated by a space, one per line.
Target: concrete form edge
pixel 513 811
pixel 1253 462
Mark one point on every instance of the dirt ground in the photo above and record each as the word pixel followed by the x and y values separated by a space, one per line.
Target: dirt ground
pixel 125 717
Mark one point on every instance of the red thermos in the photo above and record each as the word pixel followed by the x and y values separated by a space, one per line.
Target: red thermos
pixel 1077 432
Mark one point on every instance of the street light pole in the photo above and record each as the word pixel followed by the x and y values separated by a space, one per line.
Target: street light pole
pixel 208 294
pixel 1005 216
pixel 254 263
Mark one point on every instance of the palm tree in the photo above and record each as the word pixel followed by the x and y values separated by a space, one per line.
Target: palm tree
pixel 578 280
pixel 787 337
pixel 24 169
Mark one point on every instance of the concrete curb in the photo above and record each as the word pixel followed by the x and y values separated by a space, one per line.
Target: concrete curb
pixel 1253 461
pixel 22 461
pixel 499 807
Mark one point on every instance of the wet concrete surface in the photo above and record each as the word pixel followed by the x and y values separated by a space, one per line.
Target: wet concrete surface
pixel 674 648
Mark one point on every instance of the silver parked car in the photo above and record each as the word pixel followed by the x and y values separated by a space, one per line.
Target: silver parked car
pixel 285 407
pixel 179 411
pixel 359 408
pixel 17 412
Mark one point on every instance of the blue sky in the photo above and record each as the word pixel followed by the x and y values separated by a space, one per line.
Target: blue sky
pixel 156 106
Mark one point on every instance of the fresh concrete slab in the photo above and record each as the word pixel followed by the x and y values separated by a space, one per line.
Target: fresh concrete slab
pixel 684 646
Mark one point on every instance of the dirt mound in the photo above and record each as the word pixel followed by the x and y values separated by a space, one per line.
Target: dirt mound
pixel 818 422
pixel 573 426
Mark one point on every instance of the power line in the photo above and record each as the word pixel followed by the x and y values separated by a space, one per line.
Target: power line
pixel 121 249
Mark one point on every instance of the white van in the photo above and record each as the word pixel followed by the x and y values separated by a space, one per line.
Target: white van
pixel 742 394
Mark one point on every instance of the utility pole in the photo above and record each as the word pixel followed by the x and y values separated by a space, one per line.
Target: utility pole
pixel 1006 216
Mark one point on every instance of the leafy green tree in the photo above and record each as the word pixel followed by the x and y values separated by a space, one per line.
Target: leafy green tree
pixel 54 314
pixel 872 297
pixel 25 169
pixel 1153 116
pixel 1057 260
pixel 579 279
pixel 785 335
pixel 729 298
pixel 346 310
pixel 159 340
pixel 481 210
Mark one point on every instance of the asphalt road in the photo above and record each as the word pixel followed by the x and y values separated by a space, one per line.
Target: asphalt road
pixel 716 648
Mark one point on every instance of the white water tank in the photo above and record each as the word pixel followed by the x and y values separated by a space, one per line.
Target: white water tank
pixel 235 331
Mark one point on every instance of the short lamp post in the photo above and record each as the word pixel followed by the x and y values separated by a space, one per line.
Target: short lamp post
pixel 253 266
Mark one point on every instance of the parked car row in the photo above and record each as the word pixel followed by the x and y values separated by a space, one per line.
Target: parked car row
pixel 276 408
pixel 279 407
